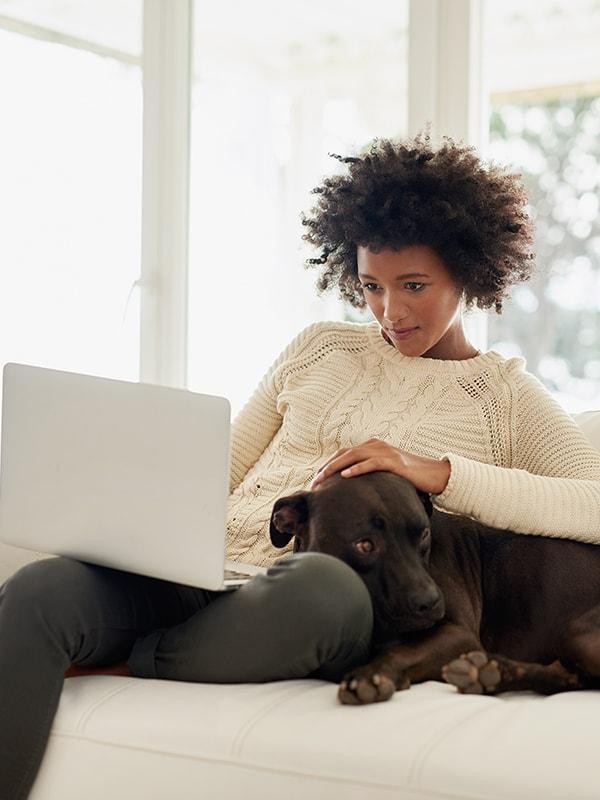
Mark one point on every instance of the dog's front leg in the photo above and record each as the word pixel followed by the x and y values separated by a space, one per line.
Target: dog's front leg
pixel 420 658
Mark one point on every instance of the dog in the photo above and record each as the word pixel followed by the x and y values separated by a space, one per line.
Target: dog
pixel 486 610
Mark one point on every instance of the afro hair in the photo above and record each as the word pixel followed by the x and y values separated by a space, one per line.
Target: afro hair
pixel 399 194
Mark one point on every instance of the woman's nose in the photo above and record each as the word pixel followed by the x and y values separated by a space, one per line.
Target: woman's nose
pixel 394 311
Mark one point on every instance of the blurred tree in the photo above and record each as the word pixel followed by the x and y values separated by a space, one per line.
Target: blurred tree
pixel 554 320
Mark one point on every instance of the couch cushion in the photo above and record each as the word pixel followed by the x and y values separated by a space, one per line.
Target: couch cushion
pixel 148 740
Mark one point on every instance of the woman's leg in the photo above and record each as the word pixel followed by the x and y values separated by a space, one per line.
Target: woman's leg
pixel 57 612
pixel 310 615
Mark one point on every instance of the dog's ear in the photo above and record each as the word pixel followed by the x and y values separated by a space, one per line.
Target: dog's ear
pixel 288 518
pixel 425 498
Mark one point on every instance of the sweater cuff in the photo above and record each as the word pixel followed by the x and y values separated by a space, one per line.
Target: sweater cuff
pixel 457 497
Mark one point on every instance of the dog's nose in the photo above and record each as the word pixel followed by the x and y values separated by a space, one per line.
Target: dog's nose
pixel 424 601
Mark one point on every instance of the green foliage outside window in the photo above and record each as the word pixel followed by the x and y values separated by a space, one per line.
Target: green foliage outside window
pixel 554 319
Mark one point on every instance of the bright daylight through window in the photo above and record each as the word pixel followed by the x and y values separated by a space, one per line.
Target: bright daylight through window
pixel 70 195
pixel 545 121
pixel 277 87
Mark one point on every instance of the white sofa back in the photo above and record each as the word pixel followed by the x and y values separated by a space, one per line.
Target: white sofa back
pixel 589 422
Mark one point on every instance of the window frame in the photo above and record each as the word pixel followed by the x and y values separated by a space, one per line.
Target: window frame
pixel 445 96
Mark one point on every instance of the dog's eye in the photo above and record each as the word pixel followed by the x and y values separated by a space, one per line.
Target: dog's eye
pixel 364 546
pixel 378 522
pixel 425 540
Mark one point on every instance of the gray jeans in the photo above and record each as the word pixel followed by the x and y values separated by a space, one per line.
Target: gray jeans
pixel 309 616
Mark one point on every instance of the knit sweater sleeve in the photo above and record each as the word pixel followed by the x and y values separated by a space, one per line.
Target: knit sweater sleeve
pixel 259 420
pixel 553 485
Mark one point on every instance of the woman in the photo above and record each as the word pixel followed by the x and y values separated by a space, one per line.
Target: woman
pixel 416 234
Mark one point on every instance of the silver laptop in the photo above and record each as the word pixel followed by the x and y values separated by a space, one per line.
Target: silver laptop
pixel 127 475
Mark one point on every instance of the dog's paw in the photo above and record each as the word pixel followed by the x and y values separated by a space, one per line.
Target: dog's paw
pixel 366 685
pixel 473 673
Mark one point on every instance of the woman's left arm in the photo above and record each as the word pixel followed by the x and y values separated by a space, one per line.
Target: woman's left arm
pixel 553 485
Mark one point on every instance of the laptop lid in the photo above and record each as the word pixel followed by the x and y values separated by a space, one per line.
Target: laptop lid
pixel 127 475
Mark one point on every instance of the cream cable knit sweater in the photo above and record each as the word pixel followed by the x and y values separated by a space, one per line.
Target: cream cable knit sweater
pixel 517 459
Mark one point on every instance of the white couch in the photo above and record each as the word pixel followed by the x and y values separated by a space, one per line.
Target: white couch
pixel 116 737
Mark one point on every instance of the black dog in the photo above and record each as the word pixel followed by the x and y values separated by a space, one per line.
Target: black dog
pixel 446 591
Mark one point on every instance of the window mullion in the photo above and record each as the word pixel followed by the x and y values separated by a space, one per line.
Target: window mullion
pixel 445 69
pixel 165 205
pixel 446 86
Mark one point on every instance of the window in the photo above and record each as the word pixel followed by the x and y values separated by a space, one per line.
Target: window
pixel 276 88
pixel 544 77
pixel 70 195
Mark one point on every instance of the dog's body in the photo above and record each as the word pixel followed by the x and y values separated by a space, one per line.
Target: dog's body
pixel 442 601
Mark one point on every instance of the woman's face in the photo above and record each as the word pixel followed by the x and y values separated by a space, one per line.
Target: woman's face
pixel 415 300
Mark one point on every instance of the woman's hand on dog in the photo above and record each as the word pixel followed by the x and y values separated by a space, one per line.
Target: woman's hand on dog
pixel 426 474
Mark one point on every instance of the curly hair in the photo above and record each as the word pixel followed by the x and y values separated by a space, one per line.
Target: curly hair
pixel 399 194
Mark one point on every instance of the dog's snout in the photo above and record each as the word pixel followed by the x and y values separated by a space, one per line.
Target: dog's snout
pixel 424 601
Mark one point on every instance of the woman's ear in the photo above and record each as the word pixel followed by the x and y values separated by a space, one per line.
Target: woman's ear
pixel 288 518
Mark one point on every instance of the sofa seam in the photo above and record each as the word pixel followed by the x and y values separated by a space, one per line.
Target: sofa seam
pixel 259 767
pixel 100 701
pixel 416 769
pixel 241 736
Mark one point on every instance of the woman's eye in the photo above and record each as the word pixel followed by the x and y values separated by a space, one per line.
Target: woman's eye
pixel 364 546
pixel 370 287
pixel 413 286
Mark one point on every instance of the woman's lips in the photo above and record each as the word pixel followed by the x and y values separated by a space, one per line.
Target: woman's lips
pixel 400 333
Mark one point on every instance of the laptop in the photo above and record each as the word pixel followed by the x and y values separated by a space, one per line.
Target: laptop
pixel 126 475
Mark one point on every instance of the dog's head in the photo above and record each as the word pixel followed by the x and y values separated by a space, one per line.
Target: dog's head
pixel 379 524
